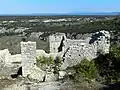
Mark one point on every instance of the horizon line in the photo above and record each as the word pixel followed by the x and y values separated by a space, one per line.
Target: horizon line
pixel 66 13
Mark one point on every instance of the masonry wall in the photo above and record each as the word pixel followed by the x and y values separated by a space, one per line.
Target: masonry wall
pixel 99 43
pixel 55 41
pixel 28 56
pixel 74 51
pixel 69 42
pixel 5 56
pixel 77 53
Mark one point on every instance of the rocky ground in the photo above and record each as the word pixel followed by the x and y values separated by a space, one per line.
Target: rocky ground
pixel 20 83
pixel 5 75
pixel 56 85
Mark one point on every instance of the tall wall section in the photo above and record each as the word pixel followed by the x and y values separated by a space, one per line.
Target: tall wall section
pixel 89 49
pixel 28 56
pixel 55 42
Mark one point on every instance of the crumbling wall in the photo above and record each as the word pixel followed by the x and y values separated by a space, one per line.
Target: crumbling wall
pixel 5 56
pixel 28 56
pixel 74 51
pixel 98 44
pixel 77 53
pixel 103 42
pixel 43 53
pixel 56 41
pixel 70 42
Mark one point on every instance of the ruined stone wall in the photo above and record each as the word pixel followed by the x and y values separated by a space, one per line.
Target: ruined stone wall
pixel 104 42
pixel 28 56
pixel 5 56
pixel 77 53
pixel 99 43
pixel 70 42
pixel 73 51
pixel 55 41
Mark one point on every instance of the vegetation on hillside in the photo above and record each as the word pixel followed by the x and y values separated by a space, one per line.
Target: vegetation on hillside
pixel 81 26
pixel 42 60
pixel 109 64
pixel 49 63
pixel 104 69
pixel 86 69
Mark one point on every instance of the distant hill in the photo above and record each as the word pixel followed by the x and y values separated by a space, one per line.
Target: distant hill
pixel 72 13
pixel 94 13
pixel 78 13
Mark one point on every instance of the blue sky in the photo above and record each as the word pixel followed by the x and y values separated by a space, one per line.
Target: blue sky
pixel 57 6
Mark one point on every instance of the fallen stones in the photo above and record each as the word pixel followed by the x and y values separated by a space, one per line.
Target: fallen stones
pixel 36 74
pixel 50 77
pixel 62 74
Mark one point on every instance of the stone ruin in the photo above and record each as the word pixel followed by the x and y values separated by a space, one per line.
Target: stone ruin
pixel 5 56
pixel 28 63
pixel 73 51
pixel 28 56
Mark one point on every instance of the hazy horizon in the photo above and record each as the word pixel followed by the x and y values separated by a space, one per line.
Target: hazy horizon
pixel 57 6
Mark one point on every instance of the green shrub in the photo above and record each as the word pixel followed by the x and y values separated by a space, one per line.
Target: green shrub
pixel 109 65
pixel 86 69
pixel 57 62
pixel 42 60
pixel 115 50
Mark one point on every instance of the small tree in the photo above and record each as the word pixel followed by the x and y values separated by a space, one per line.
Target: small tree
pixel 109 65
pixel 86 69
pixel 45 61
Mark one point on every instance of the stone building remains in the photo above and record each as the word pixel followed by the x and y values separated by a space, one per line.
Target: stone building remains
pixel 73 51
pixel 28 56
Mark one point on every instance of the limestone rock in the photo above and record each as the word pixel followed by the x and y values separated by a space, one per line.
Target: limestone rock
pixel 37 74
pixel 5 56
pixel 50 77
pixel 16 58
pixel 62 74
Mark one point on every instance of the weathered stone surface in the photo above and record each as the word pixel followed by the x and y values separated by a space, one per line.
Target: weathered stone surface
pixel 5 56
pixel 28 54
pixel 43 53
pixel 36 74
pixel 62 74
pixel 50 77
pixel 73 51
pixel 55 41
pixel 16 58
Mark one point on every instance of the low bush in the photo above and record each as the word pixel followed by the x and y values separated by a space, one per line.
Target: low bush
pixel 42 60
pixel 109 65
pixel 86 69
pixel 57 62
